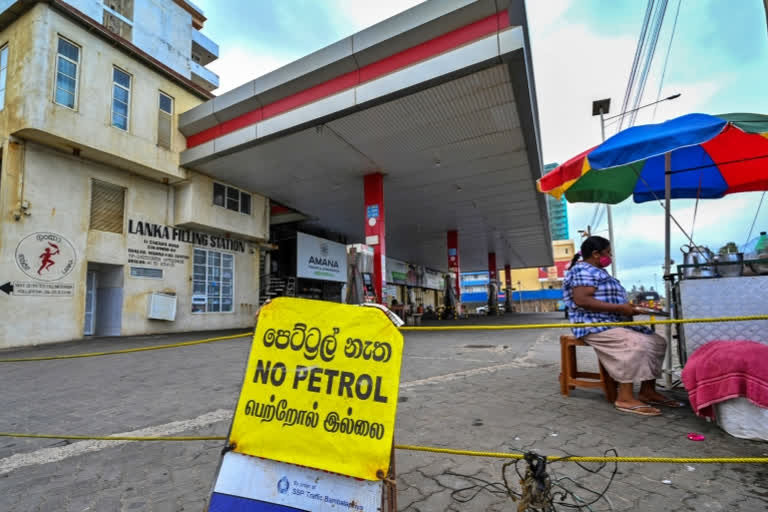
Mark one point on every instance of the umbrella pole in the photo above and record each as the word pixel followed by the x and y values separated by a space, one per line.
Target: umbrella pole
pixel 668 264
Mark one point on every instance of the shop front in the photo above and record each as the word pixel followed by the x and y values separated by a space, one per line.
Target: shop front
pixel 321 268
pixel 105 253
pixel 413 284
pixel 397 280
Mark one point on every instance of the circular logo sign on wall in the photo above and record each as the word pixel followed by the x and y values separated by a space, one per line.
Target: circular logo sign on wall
pixel 46 256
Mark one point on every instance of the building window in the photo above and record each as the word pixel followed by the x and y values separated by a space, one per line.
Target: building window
pixel 118 17
pixel 121 98
pixel 165 121
pixel 231 198
pixel 107 207
pixel 147 273
pixel 212 285
pixel 67 61
pixel 3 74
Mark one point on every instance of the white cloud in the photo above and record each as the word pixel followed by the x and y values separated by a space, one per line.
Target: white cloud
pixel 639 230
pixel 574 66
pixel 355 15
pixel 543 15
pixel 238 65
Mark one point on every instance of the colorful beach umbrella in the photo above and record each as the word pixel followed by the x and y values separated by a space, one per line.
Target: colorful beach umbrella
pixel 711 156
pixel 704 156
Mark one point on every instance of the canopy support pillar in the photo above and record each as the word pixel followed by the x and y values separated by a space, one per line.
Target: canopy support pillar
pixel 493 301
pixel 375 231
pixel 454 265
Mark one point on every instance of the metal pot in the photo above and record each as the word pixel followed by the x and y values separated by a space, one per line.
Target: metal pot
pixel 730 265
pixel 700 256
pixel 760 269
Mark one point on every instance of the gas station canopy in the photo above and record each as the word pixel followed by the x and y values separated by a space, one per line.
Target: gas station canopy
pixel 440 99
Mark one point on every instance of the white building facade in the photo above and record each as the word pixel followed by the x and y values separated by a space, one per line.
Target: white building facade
pixel 102 232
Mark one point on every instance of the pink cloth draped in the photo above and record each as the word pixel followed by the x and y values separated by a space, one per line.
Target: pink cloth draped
pixel 721 370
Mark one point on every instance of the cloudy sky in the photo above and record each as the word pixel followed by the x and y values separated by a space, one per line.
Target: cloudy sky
pixel 582 51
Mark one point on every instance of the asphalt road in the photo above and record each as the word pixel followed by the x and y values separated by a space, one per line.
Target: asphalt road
pixel 484 390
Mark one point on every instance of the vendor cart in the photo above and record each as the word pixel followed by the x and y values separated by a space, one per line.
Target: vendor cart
pixel 716 297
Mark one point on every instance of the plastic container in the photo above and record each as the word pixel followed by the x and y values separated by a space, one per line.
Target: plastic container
pixel 757 249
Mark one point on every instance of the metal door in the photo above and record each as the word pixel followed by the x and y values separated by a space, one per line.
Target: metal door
pixel 90 303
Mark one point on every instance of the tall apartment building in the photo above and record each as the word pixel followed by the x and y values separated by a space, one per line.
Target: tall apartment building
pixel 558 213
pixel 101 231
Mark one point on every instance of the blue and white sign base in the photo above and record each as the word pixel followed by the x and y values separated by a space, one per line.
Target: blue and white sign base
pixel 251 484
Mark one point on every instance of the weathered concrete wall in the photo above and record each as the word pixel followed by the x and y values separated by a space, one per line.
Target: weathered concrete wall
pixel 50 156
pixel 160 28
pixel 92 8
pixel 195 208
pixel 30 111
pixel 164 30
pixel 59 185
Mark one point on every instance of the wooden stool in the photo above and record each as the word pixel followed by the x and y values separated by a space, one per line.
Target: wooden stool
pixel 571 377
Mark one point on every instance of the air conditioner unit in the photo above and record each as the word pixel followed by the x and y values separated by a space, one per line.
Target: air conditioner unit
pixel 162 306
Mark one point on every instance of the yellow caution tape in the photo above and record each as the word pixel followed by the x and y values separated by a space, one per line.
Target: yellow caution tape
pixel 114 438
pixel 431 449
pixel 557 458
pixel 569 326
pixel 128 350
pixel 425 328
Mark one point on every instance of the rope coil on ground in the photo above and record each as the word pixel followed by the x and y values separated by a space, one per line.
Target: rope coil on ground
pixel 430 449
pixel 425 328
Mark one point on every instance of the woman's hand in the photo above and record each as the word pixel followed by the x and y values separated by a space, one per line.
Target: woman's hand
pixel 584 297
pixel 627 310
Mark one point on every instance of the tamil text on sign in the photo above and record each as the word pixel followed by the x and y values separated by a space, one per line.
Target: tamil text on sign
pixel 321 386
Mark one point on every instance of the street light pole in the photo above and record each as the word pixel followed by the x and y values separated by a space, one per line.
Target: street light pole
pixel 602 107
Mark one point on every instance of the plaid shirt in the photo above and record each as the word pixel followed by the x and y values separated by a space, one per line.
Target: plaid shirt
pixel 607 289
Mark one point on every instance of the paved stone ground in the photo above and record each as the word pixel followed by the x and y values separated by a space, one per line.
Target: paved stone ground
pixel 490 390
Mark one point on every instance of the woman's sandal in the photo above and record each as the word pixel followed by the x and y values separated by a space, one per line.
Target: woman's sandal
pixel 636 410
pixel 674 404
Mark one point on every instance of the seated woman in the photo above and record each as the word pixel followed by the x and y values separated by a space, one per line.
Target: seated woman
pixel 629 354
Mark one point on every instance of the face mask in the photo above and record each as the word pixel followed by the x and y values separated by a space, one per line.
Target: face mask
pixel 605 261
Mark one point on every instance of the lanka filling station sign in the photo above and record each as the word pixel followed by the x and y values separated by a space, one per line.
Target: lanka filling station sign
pixel 321 388
pixel 317 258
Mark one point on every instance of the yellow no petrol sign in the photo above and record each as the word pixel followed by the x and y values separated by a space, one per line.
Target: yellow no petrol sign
pixel 321 387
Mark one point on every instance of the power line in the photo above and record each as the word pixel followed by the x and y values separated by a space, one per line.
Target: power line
pixel 650 53
pixel 666 57
pixel 594 214
pixel 636 60
pixel 599 220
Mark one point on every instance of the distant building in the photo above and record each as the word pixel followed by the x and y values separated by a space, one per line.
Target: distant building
pixel 541 287
pixel 558 213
